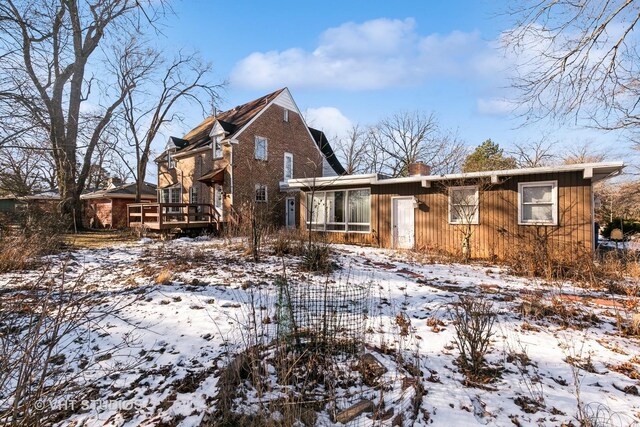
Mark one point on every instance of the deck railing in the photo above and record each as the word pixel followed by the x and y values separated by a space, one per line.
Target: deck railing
pixel 160 216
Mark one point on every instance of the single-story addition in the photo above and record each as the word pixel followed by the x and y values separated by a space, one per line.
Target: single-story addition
pixel 107 208
pixel 46 200
pixel 497 210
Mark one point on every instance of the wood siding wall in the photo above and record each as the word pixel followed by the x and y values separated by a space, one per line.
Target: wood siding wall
pixel 498 231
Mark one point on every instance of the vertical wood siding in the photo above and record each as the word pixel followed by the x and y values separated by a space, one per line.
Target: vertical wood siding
pixel 498 231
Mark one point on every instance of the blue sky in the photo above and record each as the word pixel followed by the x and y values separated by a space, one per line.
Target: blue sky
pixel 357 61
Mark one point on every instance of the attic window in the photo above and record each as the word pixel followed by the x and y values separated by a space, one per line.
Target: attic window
pixel 286 115
pixel 217 148
pixel 171 163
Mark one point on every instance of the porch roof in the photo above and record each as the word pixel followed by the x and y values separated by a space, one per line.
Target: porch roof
pixel 215 176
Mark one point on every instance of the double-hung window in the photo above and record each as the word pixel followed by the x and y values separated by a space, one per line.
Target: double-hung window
pixel 261 148
pixel 463 205
pixel 261 193
pixel 217 147
pixel 538 203
pixel 341 210
pixel 288 166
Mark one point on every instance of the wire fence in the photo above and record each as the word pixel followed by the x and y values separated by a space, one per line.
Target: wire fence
pixel 329 317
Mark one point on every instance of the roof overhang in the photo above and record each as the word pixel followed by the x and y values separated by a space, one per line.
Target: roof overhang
pixel 92 196
pixel 593 171
pixel 216 176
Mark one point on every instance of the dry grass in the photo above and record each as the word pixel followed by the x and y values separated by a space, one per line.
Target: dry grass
pixel 97 239
pixel 19 251
pixel 164 277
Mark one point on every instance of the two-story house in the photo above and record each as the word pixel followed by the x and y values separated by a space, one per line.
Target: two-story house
pixel 236 159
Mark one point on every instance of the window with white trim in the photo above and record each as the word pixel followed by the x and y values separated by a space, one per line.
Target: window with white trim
pixel 217 148
pixel 261 193
pixel 286 115
pixel 170 195
pixel 218 196
pixel 288 166
pixel 171 163
pixel 538 203
pixel 261 148
pixel 193 198
pixel 463 205
pixel 340 210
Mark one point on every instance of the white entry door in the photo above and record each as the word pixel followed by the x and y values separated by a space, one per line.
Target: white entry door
pixel 402 223
pixel 290 212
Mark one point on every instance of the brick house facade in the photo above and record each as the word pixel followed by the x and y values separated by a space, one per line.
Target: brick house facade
pixel 108 208
pixel 236 160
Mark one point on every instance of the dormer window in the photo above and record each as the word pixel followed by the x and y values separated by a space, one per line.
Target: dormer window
pixel 217 147
pixel 286 115
pixel 171 163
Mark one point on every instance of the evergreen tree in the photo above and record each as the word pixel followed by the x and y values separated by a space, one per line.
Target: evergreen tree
pixel 488 156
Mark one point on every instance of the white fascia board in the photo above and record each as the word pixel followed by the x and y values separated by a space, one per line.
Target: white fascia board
pixel 189 153
pixel 331 181
pixel 217 129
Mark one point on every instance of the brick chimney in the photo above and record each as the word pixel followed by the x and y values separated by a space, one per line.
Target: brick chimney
pixel 418 169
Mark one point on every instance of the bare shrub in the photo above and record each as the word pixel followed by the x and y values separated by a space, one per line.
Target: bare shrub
pixel 19 251
pixel 317 257
pixel 288 242
pixel 473 320
pixel 48 360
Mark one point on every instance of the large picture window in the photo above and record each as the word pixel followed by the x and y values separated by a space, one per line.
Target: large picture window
pixel 538 203
pixel 341 210
pixel 463 205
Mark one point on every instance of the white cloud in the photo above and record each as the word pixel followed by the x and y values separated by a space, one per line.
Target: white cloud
pixel 496 106
pixel 375 54
pixel 330 120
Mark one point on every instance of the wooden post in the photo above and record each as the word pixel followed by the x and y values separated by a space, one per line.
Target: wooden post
pixel 159 212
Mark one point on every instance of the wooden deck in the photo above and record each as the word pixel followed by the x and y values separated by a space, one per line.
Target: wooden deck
pixel 167 216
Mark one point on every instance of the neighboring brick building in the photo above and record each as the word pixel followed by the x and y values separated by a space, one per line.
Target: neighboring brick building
pixel 241 159
pixel 108 208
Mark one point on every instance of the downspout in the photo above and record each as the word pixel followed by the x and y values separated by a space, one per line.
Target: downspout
pixel 230 176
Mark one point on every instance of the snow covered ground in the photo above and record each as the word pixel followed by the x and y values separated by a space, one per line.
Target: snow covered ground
pixel 187 327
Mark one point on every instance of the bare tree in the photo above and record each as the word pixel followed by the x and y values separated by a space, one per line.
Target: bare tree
pixel 583 153
pixel 409 137
pixel 533 154
pixel 181 82
pixel 578 59
pixel 352 150
pixel 21 171
pixel 51 51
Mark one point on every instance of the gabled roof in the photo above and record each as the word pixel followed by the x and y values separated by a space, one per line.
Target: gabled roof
pixel 231 121
pixel 126 191
pixel 323 144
